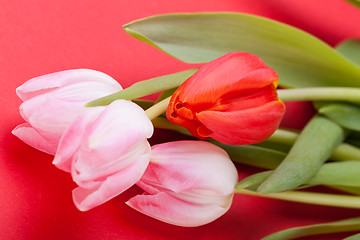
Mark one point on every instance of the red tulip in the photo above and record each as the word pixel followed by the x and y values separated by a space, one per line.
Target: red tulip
pixel 231 99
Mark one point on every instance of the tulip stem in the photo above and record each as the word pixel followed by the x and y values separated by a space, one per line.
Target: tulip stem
pixel 158 109
pixel 347 94
pixel 326 199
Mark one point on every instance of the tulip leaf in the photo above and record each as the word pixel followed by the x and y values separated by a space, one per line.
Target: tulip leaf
pixel 255 156
pixel 254 179
pixel 324 199
pixel 354 2
pixel 300 59
pixel 167 93
pixel 145 88
pixel 354 138
pixel 144 104
pixel 347 225
pixel 344 114
pixel 282 138
pixel 311 149
pixel 353 237
pixel 164 123
pixel 352 190
pixel 350 49
pixel 340 175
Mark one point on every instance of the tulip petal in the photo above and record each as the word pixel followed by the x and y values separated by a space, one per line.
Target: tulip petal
pixel 247 126
pixel 112 186
pixel 237 101
pixel 40 85
pixel 51 113
pixel 89 168
pixel 185 165
pixel 31 137
pixel 71 140
pixel 232 71
pixel 171 210
pixel 111 140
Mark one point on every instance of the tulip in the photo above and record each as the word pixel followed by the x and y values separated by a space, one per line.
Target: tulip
pixel 188 183
pixel 106 151
pixel 231 99
pixel 53 101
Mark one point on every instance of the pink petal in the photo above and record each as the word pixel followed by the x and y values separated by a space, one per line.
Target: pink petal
pixel 89 168
pixel 171 210
pixel 72 137
pixel 246 126
pixel 187 165
pixel 51 113
pixel 50 117
pixel 112 139
pixel 112 186
pixel 31 137
pixel 40 85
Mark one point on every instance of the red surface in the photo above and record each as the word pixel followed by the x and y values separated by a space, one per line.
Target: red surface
pixel 39 37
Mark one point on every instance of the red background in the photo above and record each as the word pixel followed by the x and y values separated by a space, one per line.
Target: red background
pixel 39 37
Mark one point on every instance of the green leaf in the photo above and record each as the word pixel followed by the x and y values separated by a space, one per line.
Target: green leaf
pixel 164 123
pixel 145 88
pixel 350 49
pixel 254 179
pixel 300 59
pixel 311 149
pixel 144 104
pixel 167 93
pixel 352 190
pixel 353 237
pixel 340 175
pixel 347 225
pixel 354 138
pixel 354 2
pixel 253 155
pixel 283 138
pixel 324 199
pixel 344 114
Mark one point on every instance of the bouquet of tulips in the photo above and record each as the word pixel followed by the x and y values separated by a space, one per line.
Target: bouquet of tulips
pixel 230 104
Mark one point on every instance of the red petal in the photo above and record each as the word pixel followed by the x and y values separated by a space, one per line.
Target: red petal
pixel 246 126
pixel 237 100
pixel 235 70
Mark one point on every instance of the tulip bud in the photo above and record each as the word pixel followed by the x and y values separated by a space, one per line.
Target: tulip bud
pixel 188 183
pixel 53 101
pixel 106 150
pixel 231 99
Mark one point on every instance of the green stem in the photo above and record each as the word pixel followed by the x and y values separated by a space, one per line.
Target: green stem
pixel 157 109
pixel 320 94
pixel 326 199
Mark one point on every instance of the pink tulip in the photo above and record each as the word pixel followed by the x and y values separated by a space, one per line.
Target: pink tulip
pixel 53 101
pixel 106 151
pixel 188 183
